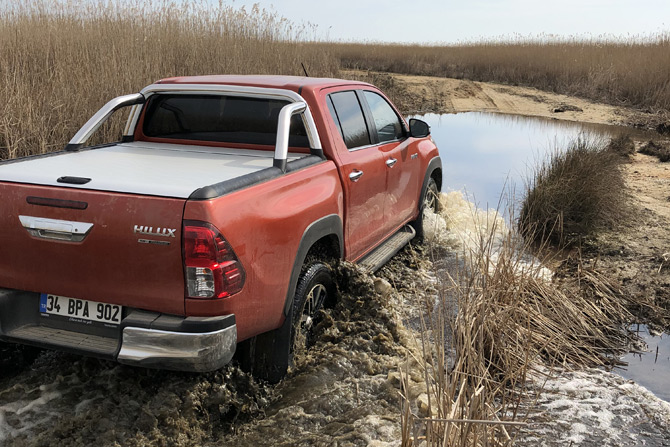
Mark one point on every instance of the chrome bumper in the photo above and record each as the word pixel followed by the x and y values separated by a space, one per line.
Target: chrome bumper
pixel 180 351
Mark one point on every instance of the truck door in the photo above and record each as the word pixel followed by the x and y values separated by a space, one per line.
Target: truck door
pixel 400 156
pixel 363 174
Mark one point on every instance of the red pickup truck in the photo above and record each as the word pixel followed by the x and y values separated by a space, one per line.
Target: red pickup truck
pixel 210 226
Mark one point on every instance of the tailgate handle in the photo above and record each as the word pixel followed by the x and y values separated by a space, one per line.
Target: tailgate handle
pixel 55 229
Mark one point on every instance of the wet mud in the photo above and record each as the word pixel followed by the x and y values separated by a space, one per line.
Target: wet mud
pixel 343 391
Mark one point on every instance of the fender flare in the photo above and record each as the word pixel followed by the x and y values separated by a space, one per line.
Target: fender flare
pixel 326 226
pixel 435 163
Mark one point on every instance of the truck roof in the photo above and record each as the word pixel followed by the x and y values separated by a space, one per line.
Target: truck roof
pixel 294 83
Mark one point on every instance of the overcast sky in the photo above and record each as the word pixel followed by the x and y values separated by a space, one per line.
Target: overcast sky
pixel 450 21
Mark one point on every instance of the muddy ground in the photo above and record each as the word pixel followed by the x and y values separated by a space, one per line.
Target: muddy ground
pixel 345 391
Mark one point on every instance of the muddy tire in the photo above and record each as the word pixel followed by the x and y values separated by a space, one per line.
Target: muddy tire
pixel 430 201
pixel 268 356
pixel 315 289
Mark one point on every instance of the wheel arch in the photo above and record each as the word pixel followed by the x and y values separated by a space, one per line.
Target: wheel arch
pixel 323 237
pixel 434 171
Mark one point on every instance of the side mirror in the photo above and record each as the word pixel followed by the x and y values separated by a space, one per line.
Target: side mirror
pixel 418 128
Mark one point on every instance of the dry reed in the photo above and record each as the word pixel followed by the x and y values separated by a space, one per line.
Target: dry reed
pixel 627 73
pixel 60 61
pixel 575 193
pixel 498 317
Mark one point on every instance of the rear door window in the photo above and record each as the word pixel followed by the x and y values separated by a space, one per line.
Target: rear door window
pixel 347 112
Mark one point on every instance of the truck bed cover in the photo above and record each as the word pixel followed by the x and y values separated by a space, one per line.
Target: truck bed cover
pixel 157 169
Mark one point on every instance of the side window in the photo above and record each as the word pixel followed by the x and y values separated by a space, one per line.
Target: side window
pixel 389 126
pixel 348 114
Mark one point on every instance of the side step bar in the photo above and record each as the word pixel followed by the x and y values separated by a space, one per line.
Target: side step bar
pixel 382 254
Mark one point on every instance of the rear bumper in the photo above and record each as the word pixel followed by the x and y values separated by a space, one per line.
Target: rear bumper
pixel 146 339
pixel 182 351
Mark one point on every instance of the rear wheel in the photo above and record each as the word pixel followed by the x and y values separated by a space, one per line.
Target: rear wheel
pixel 315 289
pixel 269 355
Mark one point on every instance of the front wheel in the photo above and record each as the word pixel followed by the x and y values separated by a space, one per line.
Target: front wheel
pixel 429 204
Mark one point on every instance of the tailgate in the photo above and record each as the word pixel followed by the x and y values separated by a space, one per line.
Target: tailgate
pixel 107 247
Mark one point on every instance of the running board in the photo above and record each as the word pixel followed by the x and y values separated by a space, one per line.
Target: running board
pixel 382 254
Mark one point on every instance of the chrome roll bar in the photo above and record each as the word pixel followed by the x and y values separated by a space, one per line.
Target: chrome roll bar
pixel 297 105
pixel 100 117
pixel 283 128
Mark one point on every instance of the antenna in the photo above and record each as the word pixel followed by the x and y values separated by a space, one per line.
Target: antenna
pixel 304 69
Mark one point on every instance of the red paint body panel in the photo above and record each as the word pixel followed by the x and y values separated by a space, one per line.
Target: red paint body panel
pixel 109 265
pixel 264 224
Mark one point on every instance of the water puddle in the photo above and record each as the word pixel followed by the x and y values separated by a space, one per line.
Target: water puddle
pixel 650 367
pixel 484 154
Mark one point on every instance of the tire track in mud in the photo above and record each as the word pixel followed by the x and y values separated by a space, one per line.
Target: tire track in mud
pixel 343 391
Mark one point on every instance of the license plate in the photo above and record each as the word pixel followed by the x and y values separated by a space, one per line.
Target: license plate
pixel 76 309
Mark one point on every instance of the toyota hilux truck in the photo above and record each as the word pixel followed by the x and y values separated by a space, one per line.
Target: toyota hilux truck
pixel 210 226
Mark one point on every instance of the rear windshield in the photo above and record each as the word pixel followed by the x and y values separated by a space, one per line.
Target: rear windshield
pixel 225 119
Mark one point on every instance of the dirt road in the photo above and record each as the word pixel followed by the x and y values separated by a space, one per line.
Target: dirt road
pixel 446 95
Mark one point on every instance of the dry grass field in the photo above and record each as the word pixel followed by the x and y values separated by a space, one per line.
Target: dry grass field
pixel 60 62
pixel 632 72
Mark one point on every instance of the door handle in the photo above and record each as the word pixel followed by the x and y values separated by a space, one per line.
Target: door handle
pixel 355 175
pixel 391 162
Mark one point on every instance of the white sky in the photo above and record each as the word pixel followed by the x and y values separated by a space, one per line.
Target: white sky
pixel 451 21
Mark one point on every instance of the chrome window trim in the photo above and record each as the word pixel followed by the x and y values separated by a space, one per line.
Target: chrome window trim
pixel 367 146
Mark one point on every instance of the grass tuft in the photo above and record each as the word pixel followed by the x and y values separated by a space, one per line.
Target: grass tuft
pixel 657 150
pixel 574 194
pixel 622 144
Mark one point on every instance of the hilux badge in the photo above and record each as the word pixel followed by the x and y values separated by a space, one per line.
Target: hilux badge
pixel 164 232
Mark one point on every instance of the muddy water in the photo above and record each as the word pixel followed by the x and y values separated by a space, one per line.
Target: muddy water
pixel 650 364
pixel 344 391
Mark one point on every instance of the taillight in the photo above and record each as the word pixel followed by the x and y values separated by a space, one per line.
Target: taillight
pixel 211 268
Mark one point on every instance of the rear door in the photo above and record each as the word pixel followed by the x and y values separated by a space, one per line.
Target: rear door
pixel 362 171
pixel 108 247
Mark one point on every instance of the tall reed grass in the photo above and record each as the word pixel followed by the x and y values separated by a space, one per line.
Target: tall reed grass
pixel 500 317
pixel 61 60
pixel 632 72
